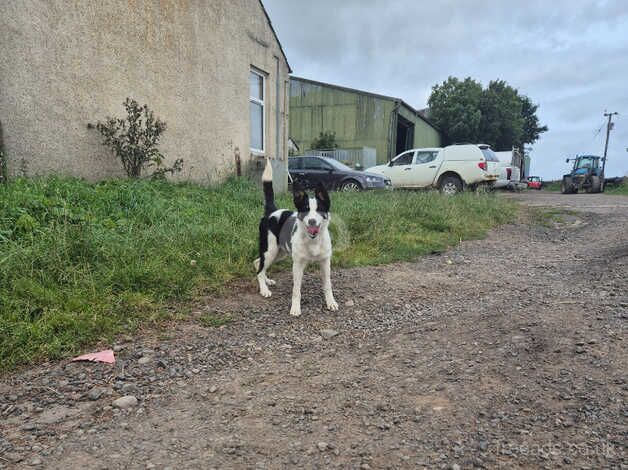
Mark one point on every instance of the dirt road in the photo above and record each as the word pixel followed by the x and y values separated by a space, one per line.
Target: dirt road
pixel 507 352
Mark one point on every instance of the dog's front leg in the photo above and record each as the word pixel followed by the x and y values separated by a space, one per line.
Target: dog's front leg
pixel 326 276
pixel 298 266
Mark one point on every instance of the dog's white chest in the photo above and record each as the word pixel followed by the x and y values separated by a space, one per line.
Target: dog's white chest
pixel 311 250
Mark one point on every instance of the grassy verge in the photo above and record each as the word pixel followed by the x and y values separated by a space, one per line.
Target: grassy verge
pixel 80 263
pixel 552 186
pixel 621 189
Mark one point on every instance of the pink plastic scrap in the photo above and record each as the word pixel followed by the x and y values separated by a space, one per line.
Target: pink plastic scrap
pixel 102 356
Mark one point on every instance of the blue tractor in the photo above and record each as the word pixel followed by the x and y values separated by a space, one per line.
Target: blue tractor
pixel 586 175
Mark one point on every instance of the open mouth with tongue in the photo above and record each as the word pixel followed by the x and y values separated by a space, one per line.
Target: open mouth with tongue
pixel 312 231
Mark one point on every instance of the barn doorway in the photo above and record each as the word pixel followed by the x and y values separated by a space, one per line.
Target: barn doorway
pixel 405 134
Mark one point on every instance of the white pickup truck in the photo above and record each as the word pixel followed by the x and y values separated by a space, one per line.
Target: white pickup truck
pixel 450 169
pixel 509 173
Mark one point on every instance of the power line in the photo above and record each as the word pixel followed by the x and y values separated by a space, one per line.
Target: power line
pixel 596 133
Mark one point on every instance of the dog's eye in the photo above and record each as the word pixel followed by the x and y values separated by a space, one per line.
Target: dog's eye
pixel 302 215
pixel 323 214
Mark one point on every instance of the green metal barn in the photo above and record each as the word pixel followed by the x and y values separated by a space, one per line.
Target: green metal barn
pixel 359 119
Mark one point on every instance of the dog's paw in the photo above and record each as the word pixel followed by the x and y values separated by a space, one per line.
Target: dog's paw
pixel 265 291
pixel 332 305
pixel 295 310
pixel 270 282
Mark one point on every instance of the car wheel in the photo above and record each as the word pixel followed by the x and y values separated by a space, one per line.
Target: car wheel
pixel 350 186
pixel 450 185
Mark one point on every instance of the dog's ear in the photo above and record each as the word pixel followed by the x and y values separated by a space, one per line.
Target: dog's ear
pixel 322 198
pixel 301 199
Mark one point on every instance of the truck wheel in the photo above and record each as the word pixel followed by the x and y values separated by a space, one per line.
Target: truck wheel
pixel 450 185
pixel 566 186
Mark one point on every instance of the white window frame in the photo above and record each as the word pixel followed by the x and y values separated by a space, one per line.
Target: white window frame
pixel 263 105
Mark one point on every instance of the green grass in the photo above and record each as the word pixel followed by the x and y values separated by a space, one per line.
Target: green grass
pixel 214 320
pixel 81 263
pixel 621 189
pixel 552 186
pixel 549 217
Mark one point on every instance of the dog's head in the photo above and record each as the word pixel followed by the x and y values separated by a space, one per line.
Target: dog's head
pixel 312 213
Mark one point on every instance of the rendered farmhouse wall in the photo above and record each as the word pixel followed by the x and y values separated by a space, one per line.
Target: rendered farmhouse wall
pixel 67 63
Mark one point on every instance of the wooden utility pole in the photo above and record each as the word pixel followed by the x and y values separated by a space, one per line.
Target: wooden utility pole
pixel 609 126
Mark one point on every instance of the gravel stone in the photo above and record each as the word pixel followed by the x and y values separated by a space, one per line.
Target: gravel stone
pixel 328 333
pixel 125 402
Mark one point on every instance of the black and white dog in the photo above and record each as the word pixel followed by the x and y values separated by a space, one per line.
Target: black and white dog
pixel 304 234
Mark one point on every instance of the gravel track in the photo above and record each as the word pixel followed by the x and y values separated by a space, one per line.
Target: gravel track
pixel 507 352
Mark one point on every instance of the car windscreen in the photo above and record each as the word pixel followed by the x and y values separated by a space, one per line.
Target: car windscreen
pixel 295 163
pixel 587 162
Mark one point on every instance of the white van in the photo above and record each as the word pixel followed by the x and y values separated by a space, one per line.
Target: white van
pixel 450 169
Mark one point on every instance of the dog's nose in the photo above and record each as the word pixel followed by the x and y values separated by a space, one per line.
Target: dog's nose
pixel 311 222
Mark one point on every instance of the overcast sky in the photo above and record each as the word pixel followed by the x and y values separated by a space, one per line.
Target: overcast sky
pixel 569 56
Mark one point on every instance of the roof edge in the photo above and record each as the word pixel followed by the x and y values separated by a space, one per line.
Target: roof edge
pixel 368 93
pixel 272 28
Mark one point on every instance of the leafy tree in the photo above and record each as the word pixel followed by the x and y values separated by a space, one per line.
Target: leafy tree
pixel 325 141
pixel 532 130
pixel 455 108
pixel 497 115
pixel 501 124
pixel 134 140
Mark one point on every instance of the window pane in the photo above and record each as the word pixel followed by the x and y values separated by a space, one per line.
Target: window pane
pixel 425 157
pixel 257 126
pixel 294 163
pixel 313 163
pixel 404 159
pixel 489 155
pixel 256 85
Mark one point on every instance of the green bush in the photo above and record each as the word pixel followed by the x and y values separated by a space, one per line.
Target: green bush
pixel 134 140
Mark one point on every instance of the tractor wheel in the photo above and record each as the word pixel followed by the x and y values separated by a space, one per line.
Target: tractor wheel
pixel 595 185
pixel 566 186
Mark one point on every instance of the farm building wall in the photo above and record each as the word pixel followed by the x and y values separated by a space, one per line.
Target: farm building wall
pixel 425 135
pixel 359 119
pixel 66 64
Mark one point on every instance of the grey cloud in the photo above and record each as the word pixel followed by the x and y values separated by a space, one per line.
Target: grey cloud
pixel 570 57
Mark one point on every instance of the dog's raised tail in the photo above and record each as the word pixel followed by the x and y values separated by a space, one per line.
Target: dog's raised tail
pixel 267 184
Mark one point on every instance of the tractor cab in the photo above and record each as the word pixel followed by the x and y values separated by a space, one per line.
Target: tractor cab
pixel 586 164
pixel 586 175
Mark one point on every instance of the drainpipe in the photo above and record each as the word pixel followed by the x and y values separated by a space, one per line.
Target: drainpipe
pixel 277 110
